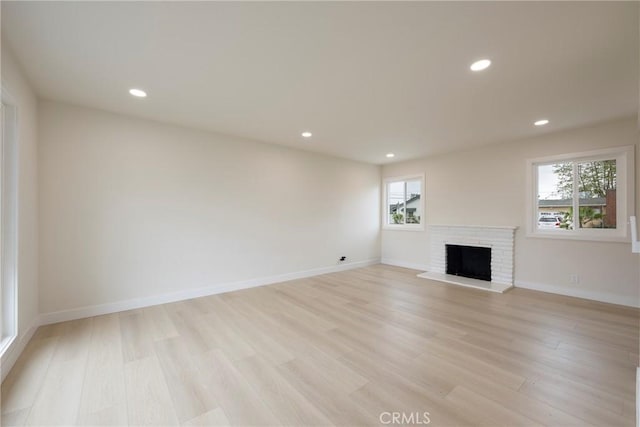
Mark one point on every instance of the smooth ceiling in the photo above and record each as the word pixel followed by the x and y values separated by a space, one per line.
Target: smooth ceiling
pixel 365 78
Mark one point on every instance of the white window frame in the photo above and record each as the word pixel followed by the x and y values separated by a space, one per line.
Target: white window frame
pixel 385 214
pixel 625 180
pixel 8 223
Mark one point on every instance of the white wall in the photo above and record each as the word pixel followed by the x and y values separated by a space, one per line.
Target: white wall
pixel 25 101
pixel 487 186
pixel 134 209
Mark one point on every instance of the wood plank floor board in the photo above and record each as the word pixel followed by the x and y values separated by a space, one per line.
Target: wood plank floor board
pixel 575 308
pixel 488 412
pixel 480 321
pixel 325 393
pixel 191 396
pixel 212 418
pixel 499 373
pixel 372 330
pixel 22 384
pixel 148 398
pixel 291 338
pixel 411 323
pixel 368 344
pixel 562 396
pixel 14 418
pixel 190 327
pixel 403 335
pixel 347 379
pixel 382 401
pixel 371 367
pixel 590 356
pixel 113 416
pixel 58 400
pixel 345 292
pixel 395 392
pixel 484 385
pixel 221 333
pixel 319 340
pixel 103 389
pixel 337 349
pixel 305 291
pixel 533 364
pixel 263 344
pixel 241 404
pixel 287 403
pixel 160 324
pixel 53 330
pixel 595 396
pixel 136 336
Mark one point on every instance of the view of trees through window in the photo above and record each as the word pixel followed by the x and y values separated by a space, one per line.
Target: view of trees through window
pixel 594 200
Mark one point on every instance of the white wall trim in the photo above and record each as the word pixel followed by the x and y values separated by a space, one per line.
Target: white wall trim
pixel 9 181
pixel 399 263
pixel 580 293
pixel 638 397
pixel 16 348
pixel 114 307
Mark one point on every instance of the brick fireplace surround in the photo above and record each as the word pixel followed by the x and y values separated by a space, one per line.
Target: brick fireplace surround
pixel 501 240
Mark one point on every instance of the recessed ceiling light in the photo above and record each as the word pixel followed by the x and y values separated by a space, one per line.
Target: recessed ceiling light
pixel 138 92
pixel 480 65
pixel 307 134
pixel 541 122
pixel 390 155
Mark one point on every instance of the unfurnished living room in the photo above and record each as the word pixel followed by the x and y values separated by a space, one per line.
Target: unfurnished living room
pixel 320 213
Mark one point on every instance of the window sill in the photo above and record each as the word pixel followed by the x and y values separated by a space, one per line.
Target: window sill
pixel 583 237
pixel 403 227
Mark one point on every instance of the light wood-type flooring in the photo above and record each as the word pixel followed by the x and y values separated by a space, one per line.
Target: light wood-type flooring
pixel 348 348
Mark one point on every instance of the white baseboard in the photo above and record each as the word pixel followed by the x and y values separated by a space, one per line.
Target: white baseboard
pixel 560 290
pixel 96 310
pixel 398 263
pixel 16 348
pixel 580 293
pixel 638 397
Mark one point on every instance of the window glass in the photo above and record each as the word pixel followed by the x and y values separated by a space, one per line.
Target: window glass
pixel 395 202
pixel 403 202
pixel 555 197
pixel 597 194
pixel 413 202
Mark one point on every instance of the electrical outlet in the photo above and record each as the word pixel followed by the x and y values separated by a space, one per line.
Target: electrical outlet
pixel 574 279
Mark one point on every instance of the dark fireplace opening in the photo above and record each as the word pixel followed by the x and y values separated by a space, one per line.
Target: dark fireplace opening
pixel 469 261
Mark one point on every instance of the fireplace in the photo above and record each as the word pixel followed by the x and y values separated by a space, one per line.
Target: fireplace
pixel 469 261
pixel 480 252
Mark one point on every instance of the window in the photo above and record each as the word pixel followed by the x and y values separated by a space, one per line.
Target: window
pixel 582 196
pixel 8 224
pixel 403 203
